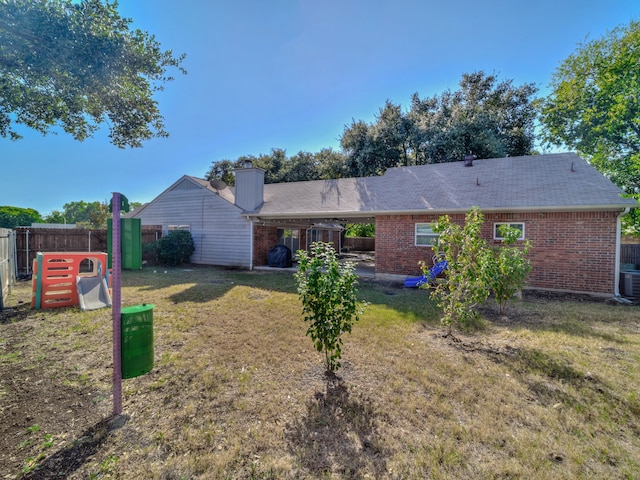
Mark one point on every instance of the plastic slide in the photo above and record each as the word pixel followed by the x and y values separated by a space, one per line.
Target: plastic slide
pixel 93 293
pixel 437 269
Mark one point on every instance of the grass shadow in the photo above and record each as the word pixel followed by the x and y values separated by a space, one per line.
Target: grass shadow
pixel 547 379
pixel 205 283
pixel 577 318
pixel 338 435
pixel 65 462
pixel 546 376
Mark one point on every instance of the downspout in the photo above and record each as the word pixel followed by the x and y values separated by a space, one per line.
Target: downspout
pixel 616 290
pixel 251 247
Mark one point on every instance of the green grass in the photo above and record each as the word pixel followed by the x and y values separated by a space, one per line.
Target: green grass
pixel 239 392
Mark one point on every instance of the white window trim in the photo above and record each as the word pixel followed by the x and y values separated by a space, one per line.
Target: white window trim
pixel 496 225
pixel 428 235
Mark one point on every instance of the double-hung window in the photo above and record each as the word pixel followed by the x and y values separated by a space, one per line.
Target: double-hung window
pixel 425 236
pixel 497 229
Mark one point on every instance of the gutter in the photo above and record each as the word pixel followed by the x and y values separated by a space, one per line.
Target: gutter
pixel 262 216
pixel 616 290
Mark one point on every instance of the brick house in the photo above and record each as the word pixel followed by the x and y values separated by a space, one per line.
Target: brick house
pixel 569 211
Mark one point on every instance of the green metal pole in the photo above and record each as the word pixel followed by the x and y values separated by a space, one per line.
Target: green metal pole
pixel 39 281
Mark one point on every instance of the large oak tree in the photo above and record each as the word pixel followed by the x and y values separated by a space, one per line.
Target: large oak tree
pixel 594 107
pixel 485 117
pixel 78 66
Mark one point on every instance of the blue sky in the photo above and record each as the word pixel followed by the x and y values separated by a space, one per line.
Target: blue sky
pixel 291 74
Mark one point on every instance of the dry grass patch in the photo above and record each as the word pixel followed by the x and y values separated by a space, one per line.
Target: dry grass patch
pixel 238 391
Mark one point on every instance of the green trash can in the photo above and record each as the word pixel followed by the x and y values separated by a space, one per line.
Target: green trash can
pixel 136 326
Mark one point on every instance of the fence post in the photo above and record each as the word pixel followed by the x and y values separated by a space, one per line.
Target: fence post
pixel 27 257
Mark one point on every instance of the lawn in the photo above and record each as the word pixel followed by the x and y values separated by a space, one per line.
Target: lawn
pixel 548 392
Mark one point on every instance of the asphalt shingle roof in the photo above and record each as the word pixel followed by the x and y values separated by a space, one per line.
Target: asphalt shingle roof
pixel 560 181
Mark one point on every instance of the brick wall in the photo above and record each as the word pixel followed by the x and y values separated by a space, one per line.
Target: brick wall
pixel 264 239
pixel 571 250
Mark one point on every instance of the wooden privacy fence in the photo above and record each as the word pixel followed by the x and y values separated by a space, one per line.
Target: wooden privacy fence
pixel 361 244
pixel 630 253
pixel 31 240
pixel 7 263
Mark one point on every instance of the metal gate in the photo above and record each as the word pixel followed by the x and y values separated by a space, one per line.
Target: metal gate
pixel 7 263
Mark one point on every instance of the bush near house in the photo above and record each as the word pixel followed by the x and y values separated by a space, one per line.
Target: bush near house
pixel 173 249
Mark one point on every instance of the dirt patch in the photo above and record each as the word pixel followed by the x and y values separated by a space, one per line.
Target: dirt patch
pixel 561 296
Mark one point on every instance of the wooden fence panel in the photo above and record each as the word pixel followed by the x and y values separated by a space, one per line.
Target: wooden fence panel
pixel 31 240
pixel 630 253
pixel 361 244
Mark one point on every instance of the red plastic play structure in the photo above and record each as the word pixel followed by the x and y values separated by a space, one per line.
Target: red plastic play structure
pixel 56 277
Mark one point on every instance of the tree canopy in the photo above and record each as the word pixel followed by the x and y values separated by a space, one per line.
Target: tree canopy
pixel 89 214
pixel 11 217
pixel 77 66
pixel 594 106
pixel 279 167
pixel 84 214
pixel 485 117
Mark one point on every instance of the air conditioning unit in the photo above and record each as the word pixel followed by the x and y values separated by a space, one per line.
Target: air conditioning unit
pixel 630 283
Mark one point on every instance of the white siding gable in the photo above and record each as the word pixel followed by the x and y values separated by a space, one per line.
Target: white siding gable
pixel 220 234
pixel 185 184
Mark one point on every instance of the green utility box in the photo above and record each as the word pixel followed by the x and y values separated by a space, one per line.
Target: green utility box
pixel 130 243
pixel 136 325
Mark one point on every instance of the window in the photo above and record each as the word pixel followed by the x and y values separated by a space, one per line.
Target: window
pixel 290 238
pixel 171 228
pixel 425 236
pixel 314 235
pixel 497 235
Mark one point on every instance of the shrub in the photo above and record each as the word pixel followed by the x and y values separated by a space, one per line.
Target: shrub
pixel 172 249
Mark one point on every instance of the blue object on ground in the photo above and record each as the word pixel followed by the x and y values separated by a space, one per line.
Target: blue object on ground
pixel 437 269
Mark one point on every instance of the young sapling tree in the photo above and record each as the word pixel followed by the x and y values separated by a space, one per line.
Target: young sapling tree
pixel 467 256
pixel 327 289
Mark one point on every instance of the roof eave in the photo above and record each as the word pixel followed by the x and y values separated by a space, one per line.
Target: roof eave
pixel 369 214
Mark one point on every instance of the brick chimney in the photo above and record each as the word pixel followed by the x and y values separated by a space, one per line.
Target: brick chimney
pixel 249 186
